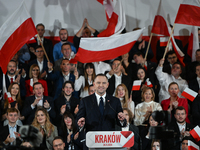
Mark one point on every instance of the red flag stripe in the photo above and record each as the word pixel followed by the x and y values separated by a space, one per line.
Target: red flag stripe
pixel 191 148
pixel 195 135
pixel 130 142
pixel 188 14
pixel 188 96
pixel 18 38
pixel 94 56
pixel 136 88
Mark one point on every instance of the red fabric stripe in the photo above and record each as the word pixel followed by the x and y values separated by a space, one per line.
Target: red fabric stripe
pixel 136 88
pixel 163 43
pixel 130 142
pixel 100 1
pixel 191 148
pixel 160 26
pixel 19 37
pixel 188 96
pixel 195 135
pixel 190 45
pixel 188 14
pixel 110 30
pixel 86 56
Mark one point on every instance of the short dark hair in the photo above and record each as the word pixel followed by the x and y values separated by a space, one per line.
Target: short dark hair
pixel 37 83
pixel 138 53
pixel 64 59
pixel 101 75
pixel 116 59
pixel 188 138
pixel 38 46
pixel 172 84
pixel 12 110
pixel 13 61
pixel 70 82
pixel 63 29
pixel 178 63
pixel 66 43
pixel 58 138
pixel 198 50
pixel 40 24
pixel 170 53
pixel 180 108
pixel 197 65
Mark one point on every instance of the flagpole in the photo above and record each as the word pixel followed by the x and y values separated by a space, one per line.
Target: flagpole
pixel 43 47
pixel 148 46
pixel 169 41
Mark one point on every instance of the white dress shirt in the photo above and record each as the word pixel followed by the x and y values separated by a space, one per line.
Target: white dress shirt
pixel 101 67
pixel 40 64
pixel 165 79
pixel 66 77
pixel 98 98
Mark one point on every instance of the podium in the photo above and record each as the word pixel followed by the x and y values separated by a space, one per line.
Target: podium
pixel 109 140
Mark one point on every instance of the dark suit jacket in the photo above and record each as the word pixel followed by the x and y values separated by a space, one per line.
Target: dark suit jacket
pixel 22 85
pixel 89 109
pixel 57 77
pixel 161 49
pixel 196 111
pixel 48 45
pixel 176 142
pixel 191 70
pixel 135 130
pixel 125 79
pixel 193 84
pixel 45 67
pixel 29 113
pixel 62 101
pixel 5 132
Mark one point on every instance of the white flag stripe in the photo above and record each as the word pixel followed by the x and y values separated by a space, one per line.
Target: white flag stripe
pixel 19 19
pixel 137 82
pixel 8 94
pixel 191 2
pixel 164 39
pixel 191 92
pixel 197 129
pixel 103 43
pixel 190 143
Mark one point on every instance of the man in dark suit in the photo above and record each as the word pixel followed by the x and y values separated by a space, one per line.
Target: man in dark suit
pixel 180 127
pixel 100 111
pixel 48 46
pixel 66 102
pixel 59 77
pixel 116 77
pixel 37 100
pixel 9 134
pixel 12 76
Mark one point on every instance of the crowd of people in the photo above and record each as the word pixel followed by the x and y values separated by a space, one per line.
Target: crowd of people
pixel 64 101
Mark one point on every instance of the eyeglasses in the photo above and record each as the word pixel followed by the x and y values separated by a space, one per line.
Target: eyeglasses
pixel 58 145
pixel 172 57
pixel 39 51
pixel 35 70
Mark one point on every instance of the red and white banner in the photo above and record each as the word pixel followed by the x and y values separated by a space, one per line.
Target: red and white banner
pixel 193 43
pixel 148 83
pixel 32 40
pixel 196 133
pixel 188 13
pixel 136 85
pixel 163 41
pixel 109 139
pixel 15 32
pixel 117 19
pixel 105 48
pixel 192 146
pixel 189 94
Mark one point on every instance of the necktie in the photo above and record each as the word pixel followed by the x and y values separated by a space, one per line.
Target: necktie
pixel 101 106
pixel 11 80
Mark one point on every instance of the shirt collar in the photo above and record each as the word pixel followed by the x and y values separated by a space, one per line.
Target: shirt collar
pixel 65 75
pixel 98 96
pixel 181 124
pixel 198 79
pixel 12 127
pixel 41 98
pixel 118 76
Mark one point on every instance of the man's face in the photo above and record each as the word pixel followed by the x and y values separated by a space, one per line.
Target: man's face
pixel 180 116
pixel 38 90
pixel 198 71
pixel 184 145
pixel 39 53
pixel 137 59
pixel 66 50
pixel 12 117
pixel 101 85
pixel 91 90
pixel 68 89
pixel 172 58
pixel 176 70
pixel 86 33
pixel 11 68
pixel 65 66
pixel 58 144
pixel 40 30
pixel 116 66
pixel 198 56
pixel 63 35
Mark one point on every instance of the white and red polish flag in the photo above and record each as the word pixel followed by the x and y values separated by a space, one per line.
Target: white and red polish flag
pixel 161 27
pixel 148 83
pixel 32 40
pixel 117 20
pixel 136 85
pixel 188 13
pixel 189 94
pixel 15 32
pixel 105 48
pixel 193 43
pixel 196 133
pixel 192 146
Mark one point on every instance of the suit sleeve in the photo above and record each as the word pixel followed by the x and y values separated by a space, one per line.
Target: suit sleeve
pixel 26 111
pixel 82 110
pixel 52 113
